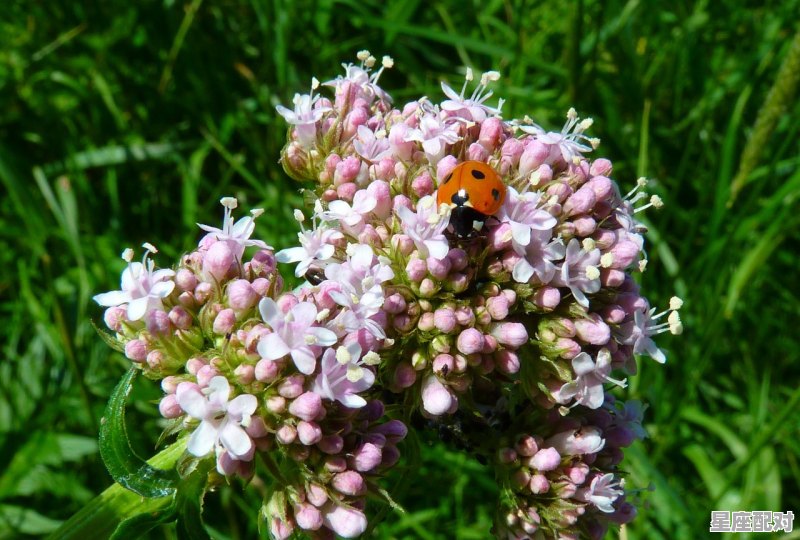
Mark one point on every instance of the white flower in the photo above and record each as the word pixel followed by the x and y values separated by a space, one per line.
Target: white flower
pixel 602 492
pixel 472 108
pixel 370 145
pixel 586 440
pixel 568 141
pixel 362 293
pixel 426 227
pixel 142 287
pixel 537 258
pixel 579 272
pixel 522 212
pixel 316 245
pixel 351 217
pixel 293 334
pixel 236 235
pixel 363 80
pixel 435 135
pixel 305 115
pixel 221 421
pixel 343 376
pixel 587 388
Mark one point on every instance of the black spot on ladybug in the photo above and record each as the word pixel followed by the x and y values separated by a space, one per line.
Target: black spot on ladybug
pixel 447 178
pixel 477 175
pixel 495 195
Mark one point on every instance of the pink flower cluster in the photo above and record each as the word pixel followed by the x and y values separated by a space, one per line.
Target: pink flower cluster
pixel 253 373
pixel 515 335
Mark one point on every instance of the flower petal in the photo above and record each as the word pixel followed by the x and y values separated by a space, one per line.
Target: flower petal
pixel 137 308
pixel 202 439
pixel 269 312
pixel 324 336
pixel 235 440
pixel 192 401
pixel 272 347
pixel 304 359
pixel 112 298
pixel 244 404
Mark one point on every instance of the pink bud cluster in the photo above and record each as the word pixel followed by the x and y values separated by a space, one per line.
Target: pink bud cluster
pixel 562 478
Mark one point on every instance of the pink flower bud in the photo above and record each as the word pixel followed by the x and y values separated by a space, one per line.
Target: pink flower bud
pixel 391 455
pixel 346 522
pixel 366 458
pixel 136 350
pixel 438 268
pixel 546 459
pixel 316 495
pixel 383 197
pixel 308 406
pixel 584 225
pixel 422 185
pixel 308 432
pixel 291 387
pixel 266 370
pixel 158 323
pixel 205 374
pixel 577 474
pixel 307 517
pixel 346 170
pixel 593 330
pixel 581 202
pixel 155 360
pixel 257 428
pixel 458 259
pixel 114 317
pixel 539 484
pixel 436 399
pixel 286 435
pixel 276 404
pixel 506 455
pixel 416 269
pixel 476 152
pixel 331 444
pixel 241 295
pixel 401 148
pixel 425 323
pixel 547 298
pixel 527 446
pixel 394 304
pixel 520 478
pixel 347 191
pixel 280 530
pixel 286 302
pixel 457 282
pixel 445 167
pixel 349 483
pixel 600 167
pixel 224 322
pixel 625 253
pixel 512 150
pixel 404 375
pixel 497 306
pixel 261 286
pixel 603 187
pixel 444 319
pixel 193 365
pixel 244 373
pixel 180 318
pixel 443 364
pixel 532 157
pixel 470 341
pixel 510 334
pixel 611 277
pixel 427 288
pixel 185 279
pixel 465 316
pixel 490 134
pixel 217 261
pixel 507 362
pixel 169 408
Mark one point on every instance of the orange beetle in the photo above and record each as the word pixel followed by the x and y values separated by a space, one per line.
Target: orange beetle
pixel 476 192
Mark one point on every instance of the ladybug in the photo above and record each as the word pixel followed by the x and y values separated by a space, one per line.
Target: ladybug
pixel 476 192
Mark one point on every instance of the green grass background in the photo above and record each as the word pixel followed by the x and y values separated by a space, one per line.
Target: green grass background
pixel 124 122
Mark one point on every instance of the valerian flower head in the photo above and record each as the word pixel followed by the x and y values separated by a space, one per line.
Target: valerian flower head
pixel 142 288
pixel 570 142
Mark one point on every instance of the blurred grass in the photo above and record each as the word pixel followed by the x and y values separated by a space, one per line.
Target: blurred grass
pixel 125 122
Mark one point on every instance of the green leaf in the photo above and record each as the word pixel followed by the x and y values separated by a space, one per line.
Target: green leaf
pixel 190 496
pixel 18 520
pixel 128 469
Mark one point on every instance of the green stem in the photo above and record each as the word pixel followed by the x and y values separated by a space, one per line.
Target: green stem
pixel 100 517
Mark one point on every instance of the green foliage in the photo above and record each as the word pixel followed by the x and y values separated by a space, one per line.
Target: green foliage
pixel 127 121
